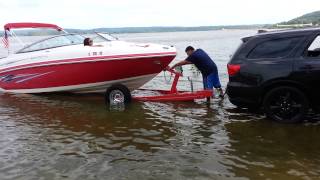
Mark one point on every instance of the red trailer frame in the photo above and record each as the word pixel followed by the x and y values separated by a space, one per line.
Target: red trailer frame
pixel 174 95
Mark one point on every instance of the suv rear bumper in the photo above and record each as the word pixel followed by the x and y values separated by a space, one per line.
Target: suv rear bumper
pixel 243 96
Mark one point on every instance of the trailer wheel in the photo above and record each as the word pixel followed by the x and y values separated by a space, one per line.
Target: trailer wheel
pixel 118 94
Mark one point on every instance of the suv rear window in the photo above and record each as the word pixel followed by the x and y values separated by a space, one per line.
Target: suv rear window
pixel 275 48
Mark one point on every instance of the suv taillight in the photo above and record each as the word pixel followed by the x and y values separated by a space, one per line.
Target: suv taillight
pixel 233 69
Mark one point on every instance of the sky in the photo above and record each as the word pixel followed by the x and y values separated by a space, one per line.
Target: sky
pixel 88 14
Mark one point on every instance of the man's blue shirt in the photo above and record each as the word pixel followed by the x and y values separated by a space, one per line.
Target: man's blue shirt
pixel 203 62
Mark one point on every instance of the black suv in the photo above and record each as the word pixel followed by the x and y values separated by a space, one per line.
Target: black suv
pixel 278 71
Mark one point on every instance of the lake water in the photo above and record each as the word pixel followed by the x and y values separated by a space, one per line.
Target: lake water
pixel 78 137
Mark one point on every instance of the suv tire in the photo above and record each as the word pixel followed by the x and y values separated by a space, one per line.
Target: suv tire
pixel 285 104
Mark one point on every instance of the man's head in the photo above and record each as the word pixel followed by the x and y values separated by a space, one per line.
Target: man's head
pixel 88 42
pixel 189 50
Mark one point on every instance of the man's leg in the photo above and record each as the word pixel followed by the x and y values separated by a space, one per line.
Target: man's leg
pixel 213 81
pixel 205 85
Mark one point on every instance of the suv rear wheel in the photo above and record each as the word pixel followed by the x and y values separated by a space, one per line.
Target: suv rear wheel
pixel 285 104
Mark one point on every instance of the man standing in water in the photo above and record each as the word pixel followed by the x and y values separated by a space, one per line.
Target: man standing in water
pixel 206 66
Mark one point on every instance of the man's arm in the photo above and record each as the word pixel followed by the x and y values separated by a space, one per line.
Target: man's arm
pixel 181 63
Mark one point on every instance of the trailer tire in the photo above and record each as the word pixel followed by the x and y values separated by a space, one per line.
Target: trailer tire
pixel 118 93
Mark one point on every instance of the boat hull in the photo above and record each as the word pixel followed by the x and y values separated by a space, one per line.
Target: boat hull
pixel 83 75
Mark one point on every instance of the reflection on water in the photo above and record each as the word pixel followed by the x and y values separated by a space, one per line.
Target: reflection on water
pixel 78 137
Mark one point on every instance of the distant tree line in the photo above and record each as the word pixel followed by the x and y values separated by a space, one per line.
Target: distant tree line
pixel 139 30
pixel 313 18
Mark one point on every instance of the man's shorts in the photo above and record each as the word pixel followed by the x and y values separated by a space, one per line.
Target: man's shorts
pixel 210 81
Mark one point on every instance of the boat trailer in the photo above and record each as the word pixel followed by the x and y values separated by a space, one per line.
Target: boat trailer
pixel 173 94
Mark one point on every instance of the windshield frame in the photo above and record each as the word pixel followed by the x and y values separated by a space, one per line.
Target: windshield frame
pixel 114 38
pixel 46 39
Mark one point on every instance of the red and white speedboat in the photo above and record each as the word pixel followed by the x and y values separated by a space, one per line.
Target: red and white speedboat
pixel 63 64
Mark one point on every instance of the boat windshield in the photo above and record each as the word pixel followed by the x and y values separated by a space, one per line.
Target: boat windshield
pixel 53 42
pixel 103 37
